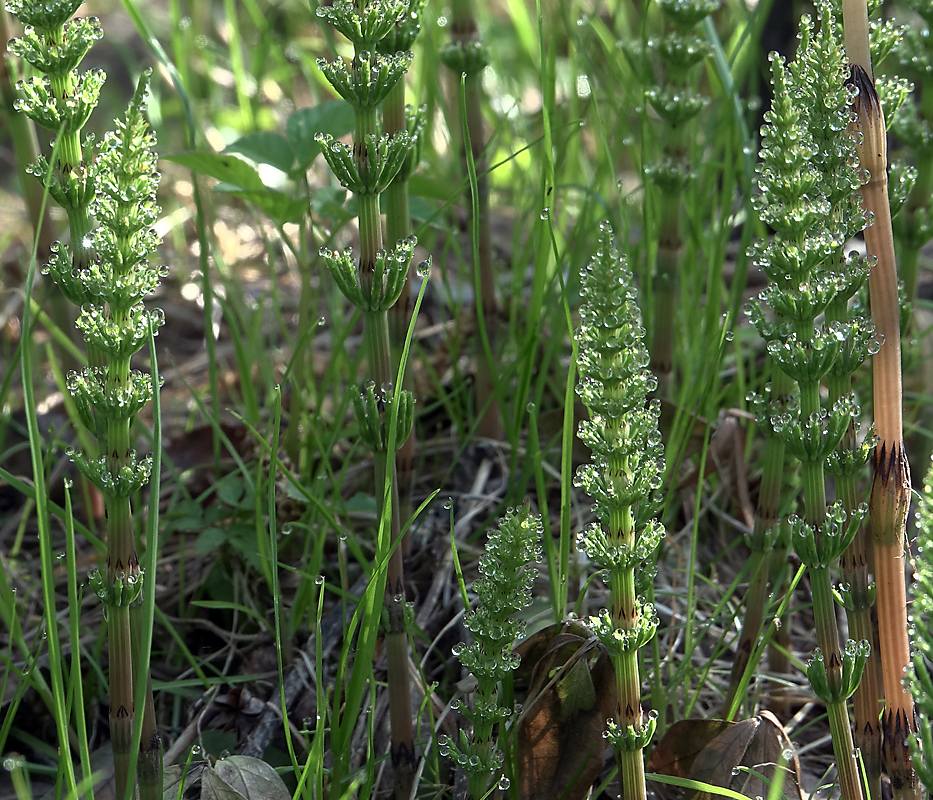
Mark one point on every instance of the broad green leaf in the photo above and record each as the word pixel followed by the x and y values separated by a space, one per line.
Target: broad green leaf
pixel 334 117
pixel 265 147
pixel 362 503
pixel 209 539
pixel 230 488
pixel 420 185
pixel 222 166
pixel 277 206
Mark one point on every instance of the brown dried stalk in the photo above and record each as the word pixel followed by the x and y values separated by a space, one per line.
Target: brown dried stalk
pixel 890 493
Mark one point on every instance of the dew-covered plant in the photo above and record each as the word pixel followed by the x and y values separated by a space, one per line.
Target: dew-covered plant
pixel 669 65
pixel 503 591
pixel 373 283
pixel 808 183
pixel 622 477
pixel 396 117
pixel 108 190
pixel 914 128
pixel 921 676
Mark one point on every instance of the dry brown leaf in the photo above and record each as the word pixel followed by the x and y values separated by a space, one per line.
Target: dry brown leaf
pixel 681 744
pixel 560 732
pixel 713 751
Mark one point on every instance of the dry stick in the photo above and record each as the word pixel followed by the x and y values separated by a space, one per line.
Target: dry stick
pixel 890 491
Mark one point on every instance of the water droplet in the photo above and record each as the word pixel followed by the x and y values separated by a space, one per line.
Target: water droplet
pixel 13 762
pixel 319 580
pixel 545 213
pixel 449 503
pixel 504 783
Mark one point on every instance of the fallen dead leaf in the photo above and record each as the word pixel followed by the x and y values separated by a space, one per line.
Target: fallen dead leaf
pixel 560 732
pixel 741 756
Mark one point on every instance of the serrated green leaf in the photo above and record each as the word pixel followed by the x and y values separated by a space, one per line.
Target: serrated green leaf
pixel 294 492
pixel 187 515
pixel 214 787
pixel 230 488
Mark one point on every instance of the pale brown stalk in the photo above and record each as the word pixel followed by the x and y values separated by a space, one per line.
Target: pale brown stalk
pixel 890 494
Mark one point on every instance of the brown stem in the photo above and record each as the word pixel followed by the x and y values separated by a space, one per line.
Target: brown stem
pixel 890 493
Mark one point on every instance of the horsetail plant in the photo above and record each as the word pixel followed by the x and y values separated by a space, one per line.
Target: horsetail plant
pixel 106 271
pixel 396 116
pixel 54 44
pixel 374 284
pixel 785 187
pixel 847 464
pixel 920 680
pixel 504 590
pixel 808 181
pixel 890 491
pixel 466 56
pixel 622 477
pixel 25 143
pixel 914 128
pixel 674 97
